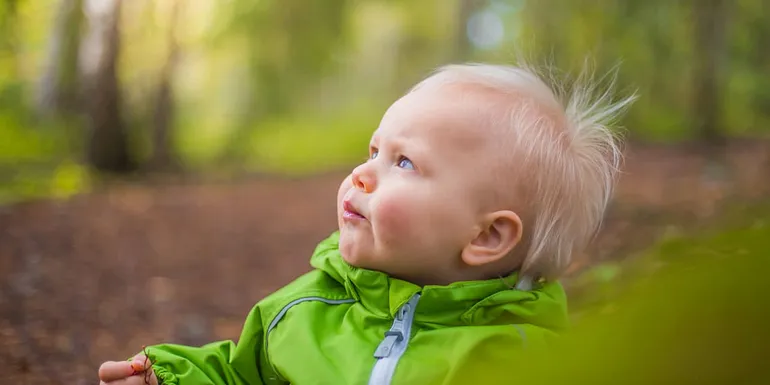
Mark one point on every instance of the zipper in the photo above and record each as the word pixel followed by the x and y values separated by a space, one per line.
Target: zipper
pixel 394 344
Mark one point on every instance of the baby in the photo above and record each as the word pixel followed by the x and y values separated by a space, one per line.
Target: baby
pixel 481 183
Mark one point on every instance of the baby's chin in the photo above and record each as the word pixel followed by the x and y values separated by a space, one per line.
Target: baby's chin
pixel 352 252
pixel 355 262
pixel 347 247
pixel 353 259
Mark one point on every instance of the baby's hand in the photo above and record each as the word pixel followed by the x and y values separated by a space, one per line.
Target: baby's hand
pixel 138 371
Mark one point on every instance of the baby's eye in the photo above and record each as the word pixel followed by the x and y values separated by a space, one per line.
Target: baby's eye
pixel 405 163
pixel 373 153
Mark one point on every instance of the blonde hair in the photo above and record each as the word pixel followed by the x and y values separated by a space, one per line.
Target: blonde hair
pixel 576 156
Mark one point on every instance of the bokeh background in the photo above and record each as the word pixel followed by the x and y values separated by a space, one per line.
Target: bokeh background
pixel 164 164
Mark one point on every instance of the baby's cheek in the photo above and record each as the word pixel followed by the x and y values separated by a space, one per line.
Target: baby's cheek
pixel 394 220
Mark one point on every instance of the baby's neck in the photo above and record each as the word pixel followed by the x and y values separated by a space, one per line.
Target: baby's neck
pixel 466 274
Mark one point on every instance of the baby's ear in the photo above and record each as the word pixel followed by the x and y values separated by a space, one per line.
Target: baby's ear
pixel 499 233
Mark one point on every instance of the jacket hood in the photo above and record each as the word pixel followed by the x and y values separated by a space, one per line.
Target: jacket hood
pixel 485 302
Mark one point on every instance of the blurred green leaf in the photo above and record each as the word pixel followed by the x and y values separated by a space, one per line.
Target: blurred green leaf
pixel 701 320
pixel 69 179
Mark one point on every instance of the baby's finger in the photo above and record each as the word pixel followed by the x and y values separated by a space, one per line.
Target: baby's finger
pixel 140 363
pixel 115 370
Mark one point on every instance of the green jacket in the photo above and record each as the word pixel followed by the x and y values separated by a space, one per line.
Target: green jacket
pixel 343 325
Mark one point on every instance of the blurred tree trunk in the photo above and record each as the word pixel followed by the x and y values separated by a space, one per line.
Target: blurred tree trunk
pixel 760 59
pixel 162 159
pixel 107 147
pixel 711 21
pixel 58 88
pixel 466 8
pixel 292 44
pixel 9 40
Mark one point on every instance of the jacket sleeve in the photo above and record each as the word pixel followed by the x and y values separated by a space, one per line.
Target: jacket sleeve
pixel 217 363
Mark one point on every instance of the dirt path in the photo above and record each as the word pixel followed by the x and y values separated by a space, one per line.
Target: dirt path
pixel 97 277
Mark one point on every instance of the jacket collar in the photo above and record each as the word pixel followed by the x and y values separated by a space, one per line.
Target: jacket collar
pixel 487 302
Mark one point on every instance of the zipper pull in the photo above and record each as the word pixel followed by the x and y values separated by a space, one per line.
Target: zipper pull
pixel 386 346
pixel 394 335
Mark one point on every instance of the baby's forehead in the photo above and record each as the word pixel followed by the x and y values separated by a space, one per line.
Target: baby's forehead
pixel 440 116
pixel 466 114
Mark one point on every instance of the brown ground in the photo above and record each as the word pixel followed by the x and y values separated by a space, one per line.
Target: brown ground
pixel 98 276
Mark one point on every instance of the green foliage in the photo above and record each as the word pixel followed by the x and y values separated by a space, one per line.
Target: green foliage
pixel 22 144
pixel 695 312
pixel 288 45
pixel 35 159
pixel 312 143
pixel 654 43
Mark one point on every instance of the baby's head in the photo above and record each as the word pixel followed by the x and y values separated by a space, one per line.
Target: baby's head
pixel 479 171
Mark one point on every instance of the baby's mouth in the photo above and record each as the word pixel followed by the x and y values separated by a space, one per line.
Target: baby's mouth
pixel 350 212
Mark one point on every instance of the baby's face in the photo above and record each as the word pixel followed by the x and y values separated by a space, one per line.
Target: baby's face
pixel 415 203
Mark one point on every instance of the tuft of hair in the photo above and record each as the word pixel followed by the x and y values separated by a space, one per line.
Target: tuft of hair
pixel 570 149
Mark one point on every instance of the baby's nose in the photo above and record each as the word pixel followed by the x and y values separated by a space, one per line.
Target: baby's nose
pixel 363 178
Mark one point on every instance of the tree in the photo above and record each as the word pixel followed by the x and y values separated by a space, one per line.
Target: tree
pixel 465 10
pixel 11 90
pixel 107 148
pixel 710 40
pixel 58 87
pixel 164 102
pixel 290 45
